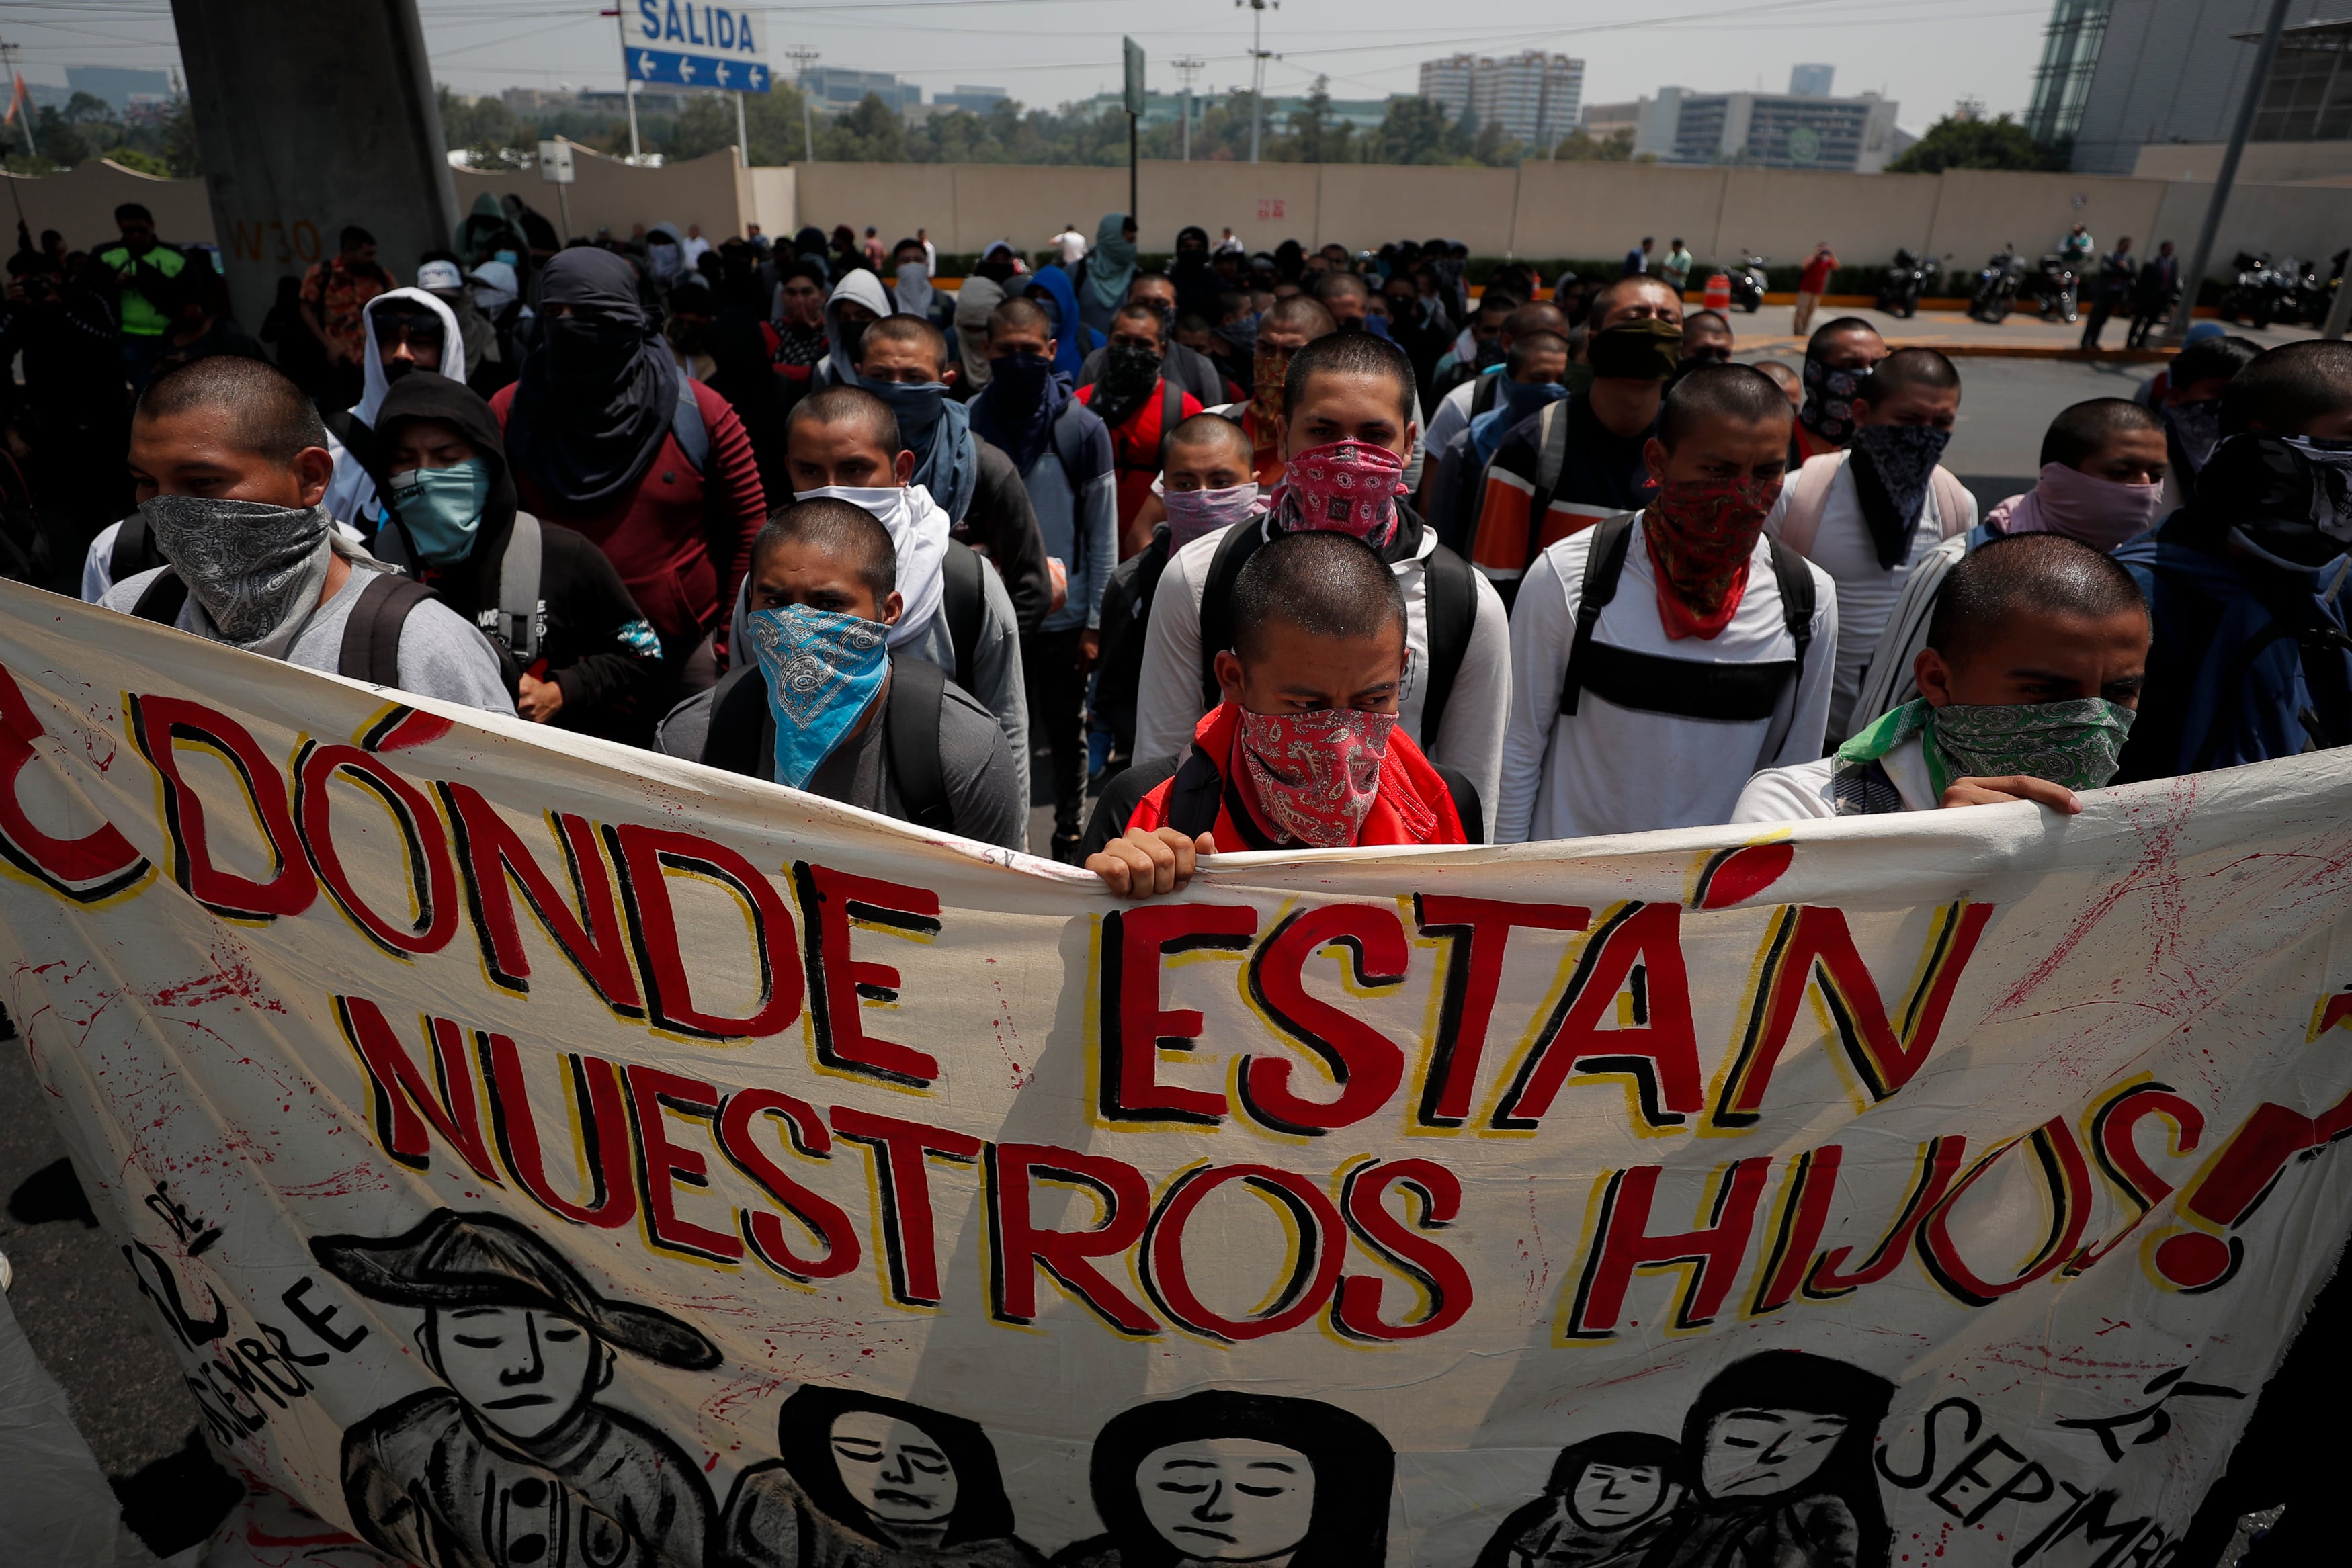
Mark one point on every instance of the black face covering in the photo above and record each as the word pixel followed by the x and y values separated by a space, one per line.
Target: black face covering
pixel 1129 375
pixel 597 396
pixel 2284 500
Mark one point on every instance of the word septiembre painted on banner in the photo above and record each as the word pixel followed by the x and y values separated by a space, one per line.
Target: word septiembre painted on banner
pixel 1848 1195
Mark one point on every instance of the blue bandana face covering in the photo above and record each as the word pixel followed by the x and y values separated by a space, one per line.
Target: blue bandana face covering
pixel 442 508
pixel 822 669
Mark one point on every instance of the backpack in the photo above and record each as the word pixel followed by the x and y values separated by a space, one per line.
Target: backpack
pixel 521 570
pixel 1687 688
pixel 1809 494
pixel 1198 791
pixel 371 648
pixel 742 734
pixel 1450 597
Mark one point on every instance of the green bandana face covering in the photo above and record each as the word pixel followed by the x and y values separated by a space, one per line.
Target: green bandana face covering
pixel 442 508
pixel 2075 743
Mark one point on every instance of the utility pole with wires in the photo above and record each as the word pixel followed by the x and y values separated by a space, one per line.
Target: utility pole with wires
pixel 629 79
pixel 803 56
pixel 1188 67
pixel 1259 57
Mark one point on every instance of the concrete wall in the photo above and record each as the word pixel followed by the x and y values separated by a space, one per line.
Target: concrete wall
pixel 2264 162
pixel 80 204
pixel 610 194
pixel 1541 210
pixel 311 118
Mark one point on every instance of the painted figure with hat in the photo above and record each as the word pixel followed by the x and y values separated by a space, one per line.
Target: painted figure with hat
pixel 515 1462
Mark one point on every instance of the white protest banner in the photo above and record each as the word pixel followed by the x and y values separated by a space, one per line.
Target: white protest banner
pixel 544 1152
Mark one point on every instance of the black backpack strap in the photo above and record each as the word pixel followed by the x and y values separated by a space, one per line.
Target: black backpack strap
pixel 965 598
pixel 1795 578
pixel 1241 542
pixel 134 550
pixel 1195 795
pixel 1485 390
pixel 1467 804
pixel 918 691
pixel 370 649
pixel 1450 602
pixel 1171 414
pixel 161 600
pixel 1551 456
pixel 1602 567
pixel 1121 794
pixel 737 739
pixel 358 437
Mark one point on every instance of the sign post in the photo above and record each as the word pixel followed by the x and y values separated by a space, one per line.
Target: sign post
pixel 555 168
pixel 707 46
pixel 1134 52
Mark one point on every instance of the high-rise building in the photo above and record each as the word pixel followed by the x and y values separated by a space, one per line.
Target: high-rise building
pixel 835 88
pixel 979 100
pixel 118 85
pixel 1536 98
pixel 1810 81
pixel 2119 74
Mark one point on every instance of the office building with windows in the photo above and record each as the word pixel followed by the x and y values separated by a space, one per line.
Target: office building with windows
pixel 1536 98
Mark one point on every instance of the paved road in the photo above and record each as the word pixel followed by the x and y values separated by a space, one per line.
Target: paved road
pixel 1767 331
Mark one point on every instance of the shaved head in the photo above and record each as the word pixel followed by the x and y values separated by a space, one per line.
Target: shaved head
pixel 842 405
pixel 266 413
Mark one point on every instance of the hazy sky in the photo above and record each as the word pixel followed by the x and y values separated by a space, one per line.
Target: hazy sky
pixel 1924 53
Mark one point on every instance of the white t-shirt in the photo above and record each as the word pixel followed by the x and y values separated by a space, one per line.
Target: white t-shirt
pixel 1610 769
pixel 1451 417
pixel 1796 794
pixel 1168 706
pixel 440 656
pixel 1867 591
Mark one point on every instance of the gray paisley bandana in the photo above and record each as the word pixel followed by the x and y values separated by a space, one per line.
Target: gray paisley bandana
pixel 2076 743
pixel 254 571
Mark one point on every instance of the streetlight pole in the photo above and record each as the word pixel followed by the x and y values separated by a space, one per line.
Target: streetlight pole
pixel 628 82
pixel 804 56
pixel 1188 67
pixel 1257 69
pixel 2194 280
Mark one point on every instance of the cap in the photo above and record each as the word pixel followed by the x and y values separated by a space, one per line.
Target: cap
pixel 456 1260
pixel 440 275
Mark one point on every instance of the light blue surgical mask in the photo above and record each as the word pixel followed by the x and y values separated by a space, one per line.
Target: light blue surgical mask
pixel 442 508
pixel 823 670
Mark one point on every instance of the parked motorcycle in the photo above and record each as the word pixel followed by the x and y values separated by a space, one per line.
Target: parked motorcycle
pixel 1997 284
pixel 2056 288
pixel 2263 292
pixel 1906 282
pixel 2311 295
pixel 1748 282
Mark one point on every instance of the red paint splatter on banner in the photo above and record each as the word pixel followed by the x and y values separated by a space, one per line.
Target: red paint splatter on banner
pixel 2157 874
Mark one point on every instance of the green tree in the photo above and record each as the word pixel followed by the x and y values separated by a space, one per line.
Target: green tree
pixel 142 162
pixel 1996 143
pixel 1413 131
pixel 1315 136
pixel 872 132
pixel 1581 146
pixel 176 141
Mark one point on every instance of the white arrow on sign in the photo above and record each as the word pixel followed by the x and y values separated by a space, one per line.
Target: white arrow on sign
pixel 686 68
pixel 759 78
pixel 645 63
pixel 723 73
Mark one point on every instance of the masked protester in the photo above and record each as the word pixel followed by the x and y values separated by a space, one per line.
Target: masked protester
pixel 857 303
pixel 231 466
pixel 1049 288
pixel 685 327
pixel 1288 327
pixel 1062 452
pixel 1632 347
pixel 2250 658
pixel 1476 391
pixel 827 704
pixel 991 280
pixel 1348 397
pixel 1106 271
pixel 1140 406
pixel 583 658
pixel 1207 487
pixel 1475 348
pixel 1534 376
pixel 843 443
pixel 407 330
pixel 1196 282
pixel 1869 514
pixel 797 329
pixel 1839 358
pixel 608 438
pixel 1663 656
pixel 485 367
pixel 1304 750
pixel 2027 679
pixel 2187 395
pixel 1187 367
pixel 902 359
pixel 2101 485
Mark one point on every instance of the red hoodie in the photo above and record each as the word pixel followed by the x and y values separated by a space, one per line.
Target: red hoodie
pixel 1406 778
pixel 681 540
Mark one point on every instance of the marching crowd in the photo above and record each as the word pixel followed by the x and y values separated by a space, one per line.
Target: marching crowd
pixel 1300 549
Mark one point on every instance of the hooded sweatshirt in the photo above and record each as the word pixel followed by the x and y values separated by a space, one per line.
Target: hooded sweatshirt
pixel 840 365
pixel 591 430
pixel 351 494
pixel 592 642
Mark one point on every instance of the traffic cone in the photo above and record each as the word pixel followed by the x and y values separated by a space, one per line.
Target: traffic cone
pixel 1718 292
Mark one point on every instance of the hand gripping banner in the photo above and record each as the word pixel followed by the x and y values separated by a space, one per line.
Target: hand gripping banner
pixel 542 1153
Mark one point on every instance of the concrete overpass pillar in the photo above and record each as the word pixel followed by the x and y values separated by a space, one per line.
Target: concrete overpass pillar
pixel 310 117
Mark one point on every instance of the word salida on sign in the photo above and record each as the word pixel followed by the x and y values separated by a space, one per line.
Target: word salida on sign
pixel 644 1147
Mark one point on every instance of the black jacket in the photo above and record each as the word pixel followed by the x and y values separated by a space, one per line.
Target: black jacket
pixel 596 644
pixel 1002 524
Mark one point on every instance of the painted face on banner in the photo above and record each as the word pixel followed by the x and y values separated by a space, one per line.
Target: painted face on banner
pixel 1228 1500
pixel 520 1369
pixel 1616 1497
pixel 1760 1453
pixel 893 1469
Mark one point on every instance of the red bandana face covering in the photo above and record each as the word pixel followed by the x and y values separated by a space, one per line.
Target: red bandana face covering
pixel 1315 775
pixel 1346 487
pixel 1700 536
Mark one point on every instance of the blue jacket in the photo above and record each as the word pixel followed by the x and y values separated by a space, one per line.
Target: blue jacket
pixel 1077 512
pixel 2250 661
